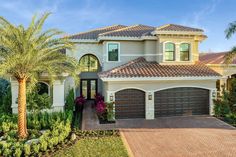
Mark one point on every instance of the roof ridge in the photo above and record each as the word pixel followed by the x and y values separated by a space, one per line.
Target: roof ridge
pixel 101 28
pixel 118 30
pixel 178 25
pixel 163 26
pixel 125 65
pixel 128 27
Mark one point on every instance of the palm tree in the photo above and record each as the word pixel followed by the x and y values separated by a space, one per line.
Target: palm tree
pixel 230 56
pixel 27 52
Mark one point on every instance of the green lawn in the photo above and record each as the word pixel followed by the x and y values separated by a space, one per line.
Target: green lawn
pixel 96 147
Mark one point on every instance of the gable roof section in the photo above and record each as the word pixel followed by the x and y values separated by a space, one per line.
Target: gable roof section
pixel 136 31
pixel 213 58
pixel 131 31
pixel 93 34
pixel 174 27
pixel 139 68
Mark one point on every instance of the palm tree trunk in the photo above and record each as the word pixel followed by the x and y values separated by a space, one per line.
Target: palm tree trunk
pixel 22 127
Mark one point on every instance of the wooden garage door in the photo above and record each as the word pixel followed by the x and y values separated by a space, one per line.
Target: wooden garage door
pixel 130 103
pixel 181 101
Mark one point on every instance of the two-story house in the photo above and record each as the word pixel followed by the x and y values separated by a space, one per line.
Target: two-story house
pixel 147 71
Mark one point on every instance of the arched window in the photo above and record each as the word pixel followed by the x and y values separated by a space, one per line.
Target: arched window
pixel 89 63
pixel 169 52
pixel 42 88
pixel 184 52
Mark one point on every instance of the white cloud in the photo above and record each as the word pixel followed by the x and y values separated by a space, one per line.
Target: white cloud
pixel 195 20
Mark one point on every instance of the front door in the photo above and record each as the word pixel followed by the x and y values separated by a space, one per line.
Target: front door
pixel 88 88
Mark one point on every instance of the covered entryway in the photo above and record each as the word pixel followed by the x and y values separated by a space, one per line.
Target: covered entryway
pixel 129 103
pixel 181 101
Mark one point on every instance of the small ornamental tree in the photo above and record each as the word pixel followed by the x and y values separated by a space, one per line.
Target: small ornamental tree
pixel 27 52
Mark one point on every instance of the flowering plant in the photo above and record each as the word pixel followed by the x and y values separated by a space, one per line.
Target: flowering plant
pixel 98 98
pixel 100 107
pixel 80 100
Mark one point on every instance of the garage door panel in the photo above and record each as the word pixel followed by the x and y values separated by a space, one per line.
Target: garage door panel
pixel 181 101
pixel 130 103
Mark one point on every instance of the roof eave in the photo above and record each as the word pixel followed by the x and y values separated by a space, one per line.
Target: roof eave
pixel 157 32
pixel 106 79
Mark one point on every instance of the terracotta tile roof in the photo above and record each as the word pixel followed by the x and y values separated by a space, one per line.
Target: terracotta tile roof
pixel 142 68
pixel 174 27
pixel 93 34
pixel 213 58
pixel 131 31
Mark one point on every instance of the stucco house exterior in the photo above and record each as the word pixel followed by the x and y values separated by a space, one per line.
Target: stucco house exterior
pixel 216 61
pixel 147 71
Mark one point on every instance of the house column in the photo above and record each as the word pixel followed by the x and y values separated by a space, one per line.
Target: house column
pixel 110 97
pixel 213 96
pixel 223 83
pixel 14 96
pixel 58 95
pixel 149 106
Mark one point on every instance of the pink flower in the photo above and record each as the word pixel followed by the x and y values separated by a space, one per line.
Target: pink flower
pixel 100 107
pixel 80 100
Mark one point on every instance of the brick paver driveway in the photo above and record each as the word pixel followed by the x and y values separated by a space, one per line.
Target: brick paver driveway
pixel 179 137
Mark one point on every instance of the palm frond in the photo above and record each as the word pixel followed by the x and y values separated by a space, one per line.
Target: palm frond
pixel 230 30
pixel 230 56
pixel 30 52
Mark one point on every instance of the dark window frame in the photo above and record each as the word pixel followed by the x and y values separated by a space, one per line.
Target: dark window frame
pixel 89 67
pixel 108 52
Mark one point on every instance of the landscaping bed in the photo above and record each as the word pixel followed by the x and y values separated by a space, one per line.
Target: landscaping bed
pixel 104 110
pixel 225 105
pixel 95 143
pixel 47 133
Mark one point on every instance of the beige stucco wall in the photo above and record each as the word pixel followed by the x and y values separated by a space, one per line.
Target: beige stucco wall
pixel 158 85
pixel 194 52
pixel 225 71
pixel 150 87
pixel 87 48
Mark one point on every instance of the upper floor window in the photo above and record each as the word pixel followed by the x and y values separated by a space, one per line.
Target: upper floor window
pixel 184 52
pixel 169 52
pixel 89 63
pixel 113 51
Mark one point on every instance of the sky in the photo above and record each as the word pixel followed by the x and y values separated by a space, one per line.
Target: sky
pixel 74 16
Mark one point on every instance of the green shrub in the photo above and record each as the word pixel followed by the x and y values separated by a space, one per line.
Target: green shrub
pixel 222 104
pixel 58 125
pixel 35 148
pixel 43 145
pixel 70 98
pixel 27 149
pixel 231 118
pixel 17 152
pixel 110 111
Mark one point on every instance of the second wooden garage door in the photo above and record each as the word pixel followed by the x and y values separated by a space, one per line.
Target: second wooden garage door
pixel 129 103
pixel 181 101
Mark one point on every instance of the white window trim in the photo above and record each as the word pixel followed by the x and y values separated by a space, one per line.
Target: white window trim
pixel 164 50
pixel 118 51
pixel 177 51
pixel 190 51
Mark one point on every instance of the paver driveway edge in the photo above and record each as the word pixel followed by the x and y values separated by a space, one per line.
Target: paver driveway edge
pixel 130 153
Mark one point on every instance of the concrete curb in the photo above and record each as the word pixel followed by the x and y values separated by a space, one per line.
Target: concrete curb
pixel 126 144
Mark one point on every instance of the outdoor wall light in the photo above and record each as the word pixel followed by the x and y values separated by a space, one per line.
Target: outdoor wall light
pixel 150 97
pixel 111 98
